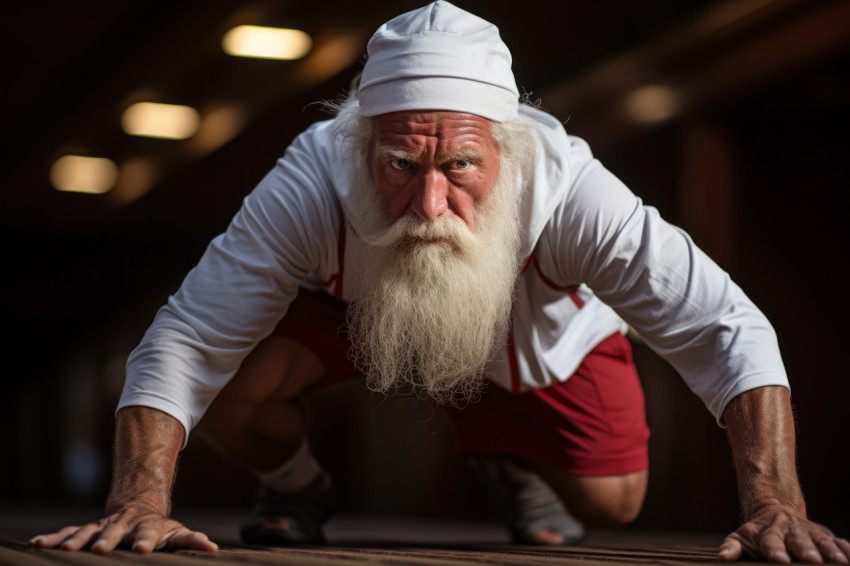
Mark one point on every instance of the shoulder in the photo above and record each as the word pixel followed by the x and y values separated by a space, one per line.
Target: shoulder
pixel 560 160
pixel 316 143
pixel 554 139
pixel 313 162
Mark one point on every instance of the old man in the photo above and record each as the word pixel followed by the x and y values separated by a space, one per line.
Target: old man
pixel 438 235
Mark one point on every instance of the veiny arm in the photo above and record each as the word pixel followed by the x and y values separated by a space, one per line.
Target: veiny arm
pixel 147 443
pixel 761 431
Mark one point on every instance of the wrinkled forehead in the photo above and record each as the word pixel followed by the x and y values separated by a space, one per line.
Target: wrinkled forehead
pixel 433 127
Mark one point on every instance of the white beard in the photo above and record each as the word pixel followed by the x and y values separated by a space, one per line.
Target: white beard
pixel 432 299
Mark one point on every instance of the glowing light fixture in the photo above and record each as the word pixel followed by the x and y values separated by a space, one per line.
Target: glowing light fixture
pixel 154 120
pixel 137 176
pixel 81 174
pixel 266 43
pixel 331 56
pixel 652 104
pixel 219 126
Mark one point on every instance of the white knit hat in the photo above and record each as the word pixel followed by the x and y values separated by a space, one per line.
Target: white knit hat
pixel 439 57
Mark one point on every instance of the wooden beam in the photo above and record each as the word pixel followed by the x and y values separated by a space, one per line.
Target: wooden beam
pixel 708 203
pixel 725 53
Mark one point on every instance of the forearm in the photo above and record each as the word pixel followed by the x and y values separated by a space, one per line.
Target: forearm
pixel 147 443
pixel 762 434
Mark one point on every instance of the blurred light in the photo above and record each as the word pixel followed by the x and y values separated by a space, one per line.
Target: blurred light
pixel 266 43
pixel 331 56
pixel 138 176
pixel 218 127
pixel 82 467
pixel 81 174
pixel 154 120
pixel 652 104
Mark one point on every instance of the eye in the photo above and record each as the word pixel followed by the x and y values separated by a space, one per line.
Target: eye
pixel 462 164
pixel 401 164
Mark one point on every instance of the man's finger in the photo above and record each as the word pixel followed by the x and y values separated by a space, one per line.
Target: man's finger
pixel 772 547
pixel 148 537
pixel 193 540
pixel 844 548
pixel 53 539
pixel 740 545
pixel 82 537
pixel 730 550
pixel 801 546
pixel 109 538
pixel 830 552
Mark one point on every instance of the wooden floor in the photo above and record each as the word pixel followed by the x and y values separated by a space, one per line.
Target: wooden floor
pixel 367 541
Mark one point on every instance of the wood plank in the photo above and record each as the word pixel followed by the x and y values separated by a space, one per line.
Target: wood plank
pixel 502 555
pixel 19 558
pixel 626 549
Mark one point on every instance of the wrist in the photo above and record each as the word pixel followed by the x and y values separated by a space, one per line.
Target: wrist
pixel 754 506
pixel 148 502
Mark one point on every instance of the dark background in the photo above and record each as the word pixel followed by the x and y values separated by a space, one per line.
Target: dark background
pixel 752 161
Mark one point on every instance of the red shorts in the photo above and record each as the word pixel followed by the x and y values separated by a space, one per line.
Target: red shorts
pixel 592 424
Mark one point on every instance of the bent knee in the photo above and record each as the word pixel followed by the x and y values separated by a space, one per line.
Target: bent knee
pixel 613 513
pixel 600 501
pixel 615 500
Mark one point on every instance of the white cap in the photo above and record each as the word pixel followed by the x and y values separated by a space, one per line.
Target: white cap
pixel 439 58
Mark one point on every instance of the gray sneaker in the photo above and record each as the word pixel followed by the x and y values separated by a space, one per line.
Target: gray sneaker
pixel 526 503
pixel 281 519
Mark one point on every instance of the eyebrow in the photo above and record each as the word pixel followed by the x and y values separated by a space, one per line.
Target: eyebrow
pixel 386 151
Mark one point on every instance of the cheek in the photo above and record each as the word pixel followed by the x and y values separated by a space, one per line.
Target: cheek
pixel 480 188
pixel 487 175
pixel 475 195
pixel 465 202
pixel 390 196
pixel 483 186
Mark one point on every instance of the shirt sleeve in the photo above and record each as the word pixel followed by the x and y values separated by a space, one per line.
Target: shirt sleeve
pixel 651 273
pixel 238 291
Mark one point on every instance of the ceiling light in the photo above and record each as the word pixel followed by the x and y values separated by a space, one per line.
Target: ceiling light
pixel 154 120
pixel 219 126
pixel 331 56
pixel 266 43
pixel 81 174
pixel 652 104
pixel 137 177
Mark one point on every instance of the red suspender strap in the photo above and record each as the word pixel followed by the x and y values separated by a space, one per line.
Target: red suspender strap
pixel 569 289
pixel 340 257
pixel 512 360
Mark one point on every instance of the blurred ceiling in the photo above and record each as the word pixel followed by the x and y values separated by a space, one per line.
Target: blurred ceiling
pixel 73 67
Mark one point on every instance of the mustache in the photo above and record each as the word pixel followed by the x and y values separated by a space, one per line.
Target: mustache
pixel 411 230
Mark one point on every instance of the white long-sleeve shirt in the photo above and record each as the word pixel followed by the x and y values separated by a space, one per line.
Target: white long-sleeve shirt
pixel 598 259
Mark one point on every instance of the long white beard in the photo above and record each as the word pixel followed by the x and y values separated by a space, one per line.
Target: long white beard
pixel 432 299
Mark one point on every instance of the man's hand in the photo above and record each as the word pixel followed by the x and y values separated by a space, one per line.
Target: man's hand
pixel 779 533
pixel 147 442
pixel 762 435
pixel 139 527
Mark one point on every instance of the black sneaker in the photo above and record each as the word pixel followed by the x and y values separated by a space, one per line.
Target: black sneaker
pixel 526 502
pixel 285 518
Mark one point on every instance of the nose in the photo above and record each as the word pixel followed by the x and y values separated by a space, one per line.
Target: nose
pixel 431 198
